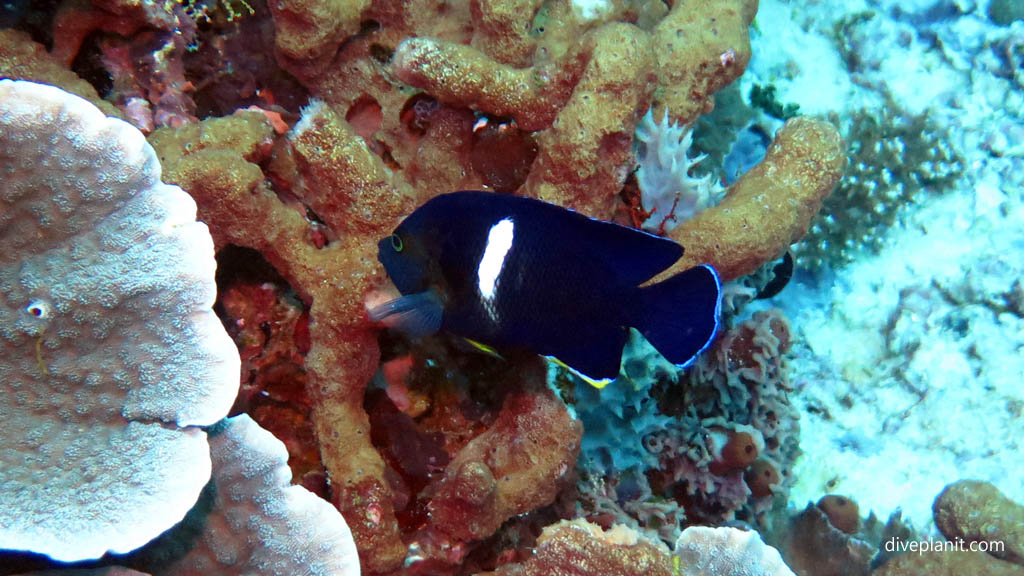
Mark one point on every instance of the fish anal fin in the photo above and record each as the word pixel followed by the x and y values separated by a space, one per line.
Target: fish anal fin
pixel 595 358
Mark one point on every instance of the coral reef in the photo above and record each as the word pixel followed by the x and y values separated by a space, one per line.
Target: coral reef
pixel 582 548
pixel 770 206
pixel 814 546
pixel 983 528
pixel 956 563
pixel 328 164
pixel 107 409
pixel 250 519
pixel 894 158
pixel 741 384
pixel 828 539
pixel 712 444
pixel 142 53
pixel 309 33
pixel 668 193
pixel 585 97
pixel 412 101
pixel 271 328
pixel 974 511
pixel 113 357
pixel 23 59
pixel 534 442
pixel 727 551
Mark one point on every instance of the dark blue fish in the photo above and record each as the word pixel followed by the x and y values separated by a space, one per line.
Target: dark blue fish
pixel 514 273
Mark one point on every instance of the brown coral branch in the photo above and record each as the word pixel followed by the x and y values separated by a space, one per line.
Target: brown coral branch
pixel 700 48
pixel 334 169
pixel 501 29
pixel 770 207
pixel 464 76
pixel 307 31
pixel 585 155
pixel 516 466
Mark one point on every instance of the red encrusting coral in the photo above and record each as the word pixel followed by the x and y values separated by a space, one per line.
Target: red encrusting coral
pixel 271 330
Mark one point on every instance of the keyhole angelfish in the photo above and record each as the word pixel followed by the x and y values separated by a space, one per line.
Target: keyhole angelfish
pixel 513 273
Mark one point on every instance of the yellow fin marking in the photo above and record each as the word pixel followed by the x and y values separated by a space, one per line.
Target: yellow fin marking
pixel 599 384
pixel 483 348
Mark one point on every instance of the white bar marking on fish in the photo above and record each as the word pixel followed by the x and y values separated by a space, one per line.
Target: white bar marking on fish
pixel 499 242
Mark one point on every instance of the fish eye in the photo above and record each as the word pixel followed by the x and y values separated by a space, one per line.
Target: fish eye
pixel 396 242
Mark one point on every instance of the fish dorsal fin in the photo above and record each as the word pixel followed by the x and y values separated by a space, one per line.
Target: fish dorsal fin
pixel 632 256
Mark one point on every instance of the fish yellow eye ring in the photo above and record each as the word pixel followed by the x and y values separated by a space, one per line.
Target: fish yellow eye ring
pixel 396 242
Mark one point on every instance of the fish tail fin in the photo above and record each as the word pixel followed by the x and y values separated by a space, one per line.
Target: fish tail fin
pixel 680 316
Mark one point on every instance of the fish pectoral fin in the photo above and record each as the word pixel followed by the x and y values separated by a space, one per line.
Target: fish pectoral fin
pixel 481 347
pixel 415 314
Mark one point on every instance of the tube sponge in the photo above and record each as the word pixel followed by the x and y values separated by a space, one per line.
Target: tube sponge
pixel 110 353
pixel 769 207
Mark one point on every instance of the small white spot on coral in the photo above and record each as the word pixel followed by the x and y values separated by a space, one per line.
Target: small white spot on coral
pixel 39 309
pixel 591 9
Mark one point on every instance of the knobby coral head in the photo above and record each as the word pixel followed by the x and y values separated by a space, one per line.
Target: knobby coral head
pixel 113 366
pixel 112 358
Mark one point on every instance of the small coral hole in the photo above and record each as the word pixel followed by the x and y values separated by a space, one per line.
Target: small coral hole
pixel 502 154
pixel 365 117
pixel 416 114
